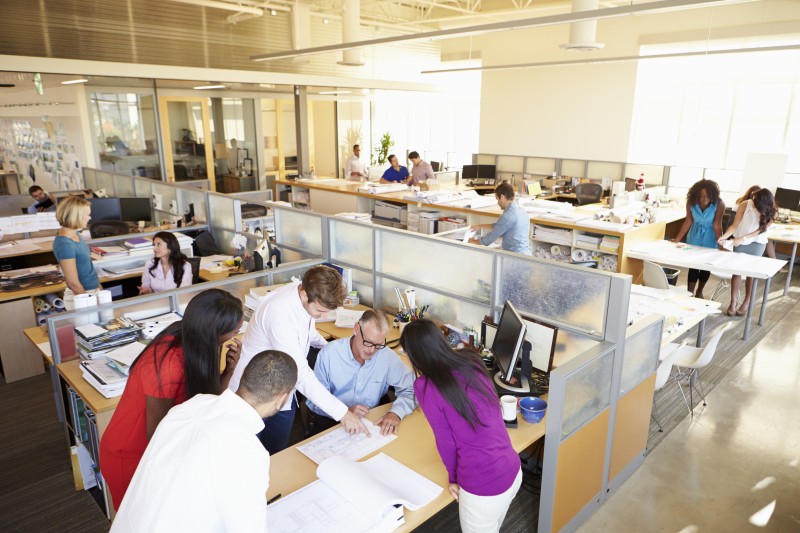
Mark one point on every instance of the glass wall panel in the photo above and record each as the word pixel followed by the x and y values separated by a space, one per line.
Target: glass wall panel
pixel 285 276
pixel 105 180
pixel 442 306
pixel 454 269
pixel 234 131
pixel 587 392
pixel 222 211
pixel 300 229
pixel 195 197
pixel 89 178
pixel 123 187
pixel 351 243
pixel 641 356
pixel 362 283
pixel 143 188
pixel 545 290
pixel 541 166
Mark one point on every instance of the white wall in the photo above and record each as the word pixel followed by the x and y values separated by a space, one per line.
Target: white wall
pixel 324 137
pixel 584 111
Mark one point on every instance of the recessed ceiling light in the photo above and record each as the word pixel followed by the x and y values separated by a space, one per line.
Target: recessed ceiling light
pixel 273 12
pixel 204 87
pixel 334 92
pixel 325 21
pixel 70 82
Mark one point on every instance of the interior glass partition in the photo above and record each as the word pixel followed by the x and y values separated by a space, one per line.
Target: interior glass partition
pixel 642 349
pixel 568 296
pixel 223 211
pixel 351 243
pixel 143 188
pixel 89 178
pixel 299 229
pixel 196 198
pixel 105 180
pixel 123 186
pixel 587 391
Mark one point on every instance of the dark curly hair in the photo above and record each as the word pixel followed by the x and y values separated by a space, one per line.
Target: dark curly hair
pixel 764 202
pixel 711 187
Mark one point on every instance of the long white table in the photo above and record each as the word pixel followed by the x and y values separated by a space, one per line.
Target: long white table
pixel 788 234
pixel 687 256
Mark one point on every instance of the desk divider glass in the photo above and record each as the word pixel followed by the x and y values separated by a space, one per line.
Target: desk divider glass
pixel 123 186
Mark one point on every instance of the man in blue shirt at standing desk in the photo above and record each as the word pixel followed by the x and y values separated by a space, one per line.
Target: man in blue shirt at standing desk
pixel 514 225
pixel 360 369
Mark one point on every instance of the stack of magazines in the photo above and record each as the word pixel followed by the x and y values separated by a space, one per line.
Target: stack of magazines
pixel 107 380
pixel 96 340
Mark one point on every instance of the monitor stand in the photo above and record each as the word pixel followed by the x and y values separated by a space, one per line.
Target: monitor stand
pixel 520 385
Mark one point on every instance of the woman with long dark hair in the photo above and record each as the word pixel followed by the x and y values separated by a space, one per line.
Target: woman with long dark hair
pixel 458 399
pixel 749 231
pixel 702 227
pixel 168 269
pixel 181 362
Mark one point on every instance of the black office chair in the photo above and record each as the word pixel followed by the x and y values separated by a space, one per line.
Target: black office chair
pixel 588 193
pixel 194 262
pixel 108 228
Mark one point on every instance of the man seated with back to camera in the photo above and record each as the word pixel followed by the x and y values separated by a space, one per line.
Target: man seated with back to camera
pixel 359 370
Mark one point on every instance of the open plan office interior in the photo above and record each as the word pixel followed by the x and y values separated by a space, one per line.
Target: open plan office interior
pixel 223 106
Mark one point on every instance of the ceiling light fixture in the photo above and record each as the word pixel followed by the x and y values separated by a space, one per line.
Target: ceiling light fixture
pixel 325 20
pixel 335 92
pixel 205 87
pixel 536 22
pixel 273 12
pixel 72 82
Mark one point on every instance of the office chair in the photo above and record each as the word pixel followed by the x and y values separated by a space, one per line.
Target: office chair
pixel 436 166
pixel 588 193
pixel 108 228
pixel 663 375
pixel 194 262
pixel 181 173
pixel 654 276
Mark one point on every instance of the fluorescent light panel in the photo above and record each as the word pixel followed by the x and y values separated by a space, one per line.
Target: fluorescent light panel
pixel 72 82
pixel 205 87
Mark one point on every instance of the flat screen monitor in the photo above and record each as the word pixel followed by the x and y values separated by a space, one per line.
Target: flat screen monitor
pixel 469 172
pixel 507 343
pixel 630 184
pixel 787 199
pixel 105 209
pixel 136 209
pixel 487 172
pixel 542 337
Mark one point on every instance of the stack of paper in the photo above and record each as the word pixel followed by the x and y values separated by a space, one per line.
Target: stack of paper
pixel 154 325
pixel 107 380
pixel 588 240
pixel 609 244
pixel 361 217
pixel 381 188
pixel 552 235
pixel 257 294
pixel 105 252
pixel 122 358
pixel 102 336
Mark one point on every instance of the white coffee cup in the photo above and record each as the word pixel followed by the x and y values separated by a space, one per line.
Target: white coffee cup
pixel 509 405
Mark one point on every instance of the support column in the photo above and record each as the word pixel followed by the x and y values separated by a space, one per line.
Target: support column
pixel 301 129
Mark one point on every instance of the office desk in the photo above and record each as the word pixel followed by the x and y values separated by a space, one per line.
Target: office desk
pixel 27 247
pixel 787 234
pixel 681 313
pixel 678 254
pixel 330 329
pixel 415 447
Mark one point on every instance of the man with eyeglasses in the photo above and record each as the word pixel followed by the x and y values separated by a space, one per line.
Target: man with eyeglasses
pixel 360 369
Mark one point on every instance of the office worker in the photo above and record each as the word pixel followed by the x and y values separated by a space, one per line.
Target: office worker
pixel 72 252
pixel 180 363
pixel 285 321
pixel 354 168
pixel 513 225
pixel 168 269
pixel 44 200
pixel 769 251
pixel 749 232
pixel 359 371
pixel 395 173
pixel 421 170
pixel 205 470
pixel 702 227
pixel 457 396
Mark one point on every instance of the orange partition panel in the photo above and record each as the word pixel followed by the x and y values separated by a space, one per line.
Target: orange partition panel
pixel 632 425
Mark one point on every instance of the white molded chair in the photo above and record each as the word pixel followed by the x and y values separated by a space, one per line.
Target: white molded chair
pixel 693 359
pixel 654 276
pixel 663 375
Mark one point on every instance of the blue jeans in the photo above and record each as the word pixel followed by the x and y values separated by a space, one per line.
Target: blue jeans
pixel 277 428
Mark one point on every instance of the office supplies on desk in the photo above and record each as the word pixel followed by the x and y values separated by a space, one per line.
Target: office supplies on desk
pixel 352 497
pixel 339 443
pixel 347 318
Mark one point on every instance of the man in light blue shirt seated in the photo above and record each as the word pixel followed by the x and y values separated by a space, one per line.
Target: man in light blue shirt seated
pixel 514 225
pixel 360 369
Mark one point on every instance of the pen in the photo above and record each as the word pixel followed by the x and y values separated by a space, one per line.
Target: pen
pixel 273 499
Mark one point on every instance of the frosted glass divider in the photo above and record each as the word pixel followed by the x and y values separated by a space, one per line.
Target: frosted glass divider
pixel 224 212
pixel 89 178
pixel 351 242
pixel 301 230
pixel 123 186
pixel 105 180
pixel 143 187
pixel 642 349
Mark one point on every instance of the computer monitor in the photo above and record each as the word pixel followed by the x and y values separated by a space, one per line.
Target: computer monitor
pixel 542 337
pixel 506 349
pixel 105 209
pixel 136 209
pixel 436 166
pixel 630 184
pixel 487 172
pixel 469 172
pixel 787 199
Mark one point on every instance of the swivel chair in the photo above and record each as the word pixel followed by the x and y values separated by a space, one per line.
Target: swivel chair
pixel 108 228
pixel 588 193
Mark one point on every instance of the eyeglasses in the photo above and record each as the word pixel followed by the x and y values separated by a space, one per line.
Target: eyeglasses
pixel 369 344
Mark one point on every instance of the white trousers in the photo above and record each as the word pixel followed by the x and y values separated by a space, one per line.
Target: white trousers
pixel 485 514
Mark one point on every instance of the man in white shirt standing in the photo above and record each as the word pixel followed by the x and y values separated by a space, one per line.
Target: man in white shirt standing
pixel 354 168
pixel 205 470
pixel 285 321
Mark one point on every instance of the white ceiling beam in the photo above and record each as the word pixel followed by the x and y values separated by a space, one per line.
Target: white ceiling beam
pixel 551 20
pixel 216 4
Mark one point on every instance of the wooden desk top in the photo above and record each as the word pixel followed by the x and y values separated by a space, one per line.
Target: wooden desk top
pixel 55 287
pixel 72 374
pixel 330 329
pixel 44 248
pixel 37 335
pixel 415 447
pixel 788 233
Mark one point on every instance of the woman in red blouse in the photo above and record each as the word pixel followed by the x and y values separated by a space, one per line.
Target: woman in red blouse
pixel 180 362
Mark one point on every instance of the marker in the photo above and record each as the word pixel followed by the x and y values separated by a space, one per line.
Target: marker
pixel 274 499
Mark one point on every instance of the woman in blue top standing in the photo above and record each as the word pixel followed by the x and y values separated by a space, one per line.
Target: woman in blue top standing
pixel 72 252
pixel 704 209
pixel 395 173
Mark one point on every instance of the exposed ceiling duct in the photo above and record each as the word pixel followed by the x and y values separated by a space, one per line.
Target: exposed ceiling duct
pixel 582 35
pixel 351 19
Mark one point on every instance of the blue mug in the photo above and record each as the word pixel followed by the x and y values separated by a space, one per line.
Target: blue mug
pixel 533 409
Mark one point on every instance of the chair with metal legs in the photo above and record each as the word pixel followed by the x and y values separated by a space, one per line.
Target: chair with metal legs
pixel 693 359
pixel 663 377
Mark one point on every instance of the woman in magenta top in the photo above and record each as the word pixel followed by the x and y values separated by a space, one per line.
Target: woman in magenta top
pixel 463 410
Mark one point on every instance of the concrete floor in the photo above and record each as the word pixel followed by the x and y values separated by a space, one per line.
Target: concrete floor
pixel 723 469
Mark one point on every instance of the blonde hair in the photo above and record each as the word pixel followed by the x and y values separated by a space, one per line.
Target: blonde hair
pixel 71 210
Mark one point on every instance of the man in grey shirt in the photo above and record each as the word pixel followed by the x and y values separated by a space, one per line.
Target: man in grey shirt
pixel 420 171
pixel 513 225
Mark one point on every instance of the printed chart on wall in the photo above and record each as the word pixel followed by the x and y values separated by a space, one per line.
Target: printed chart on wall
pixel 43 152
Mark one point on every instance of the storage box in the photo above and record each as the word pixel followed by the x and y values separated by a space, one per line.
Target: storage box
pixel 449 223
pixel 429 222
pixel 391 211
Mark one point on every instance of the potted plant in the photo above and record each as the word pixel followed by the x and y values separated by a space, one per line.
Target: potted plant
pixel 380 156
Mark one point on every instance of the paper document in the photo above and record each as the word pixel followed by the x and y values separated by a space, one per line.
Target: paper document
pixel 347 318
pixel 352 497
pixel 339 443
pixel 468 235
pixel 127 354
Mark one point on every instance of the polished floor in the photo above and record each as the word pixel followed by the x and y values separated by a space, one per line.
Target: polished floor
pixel 734 466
